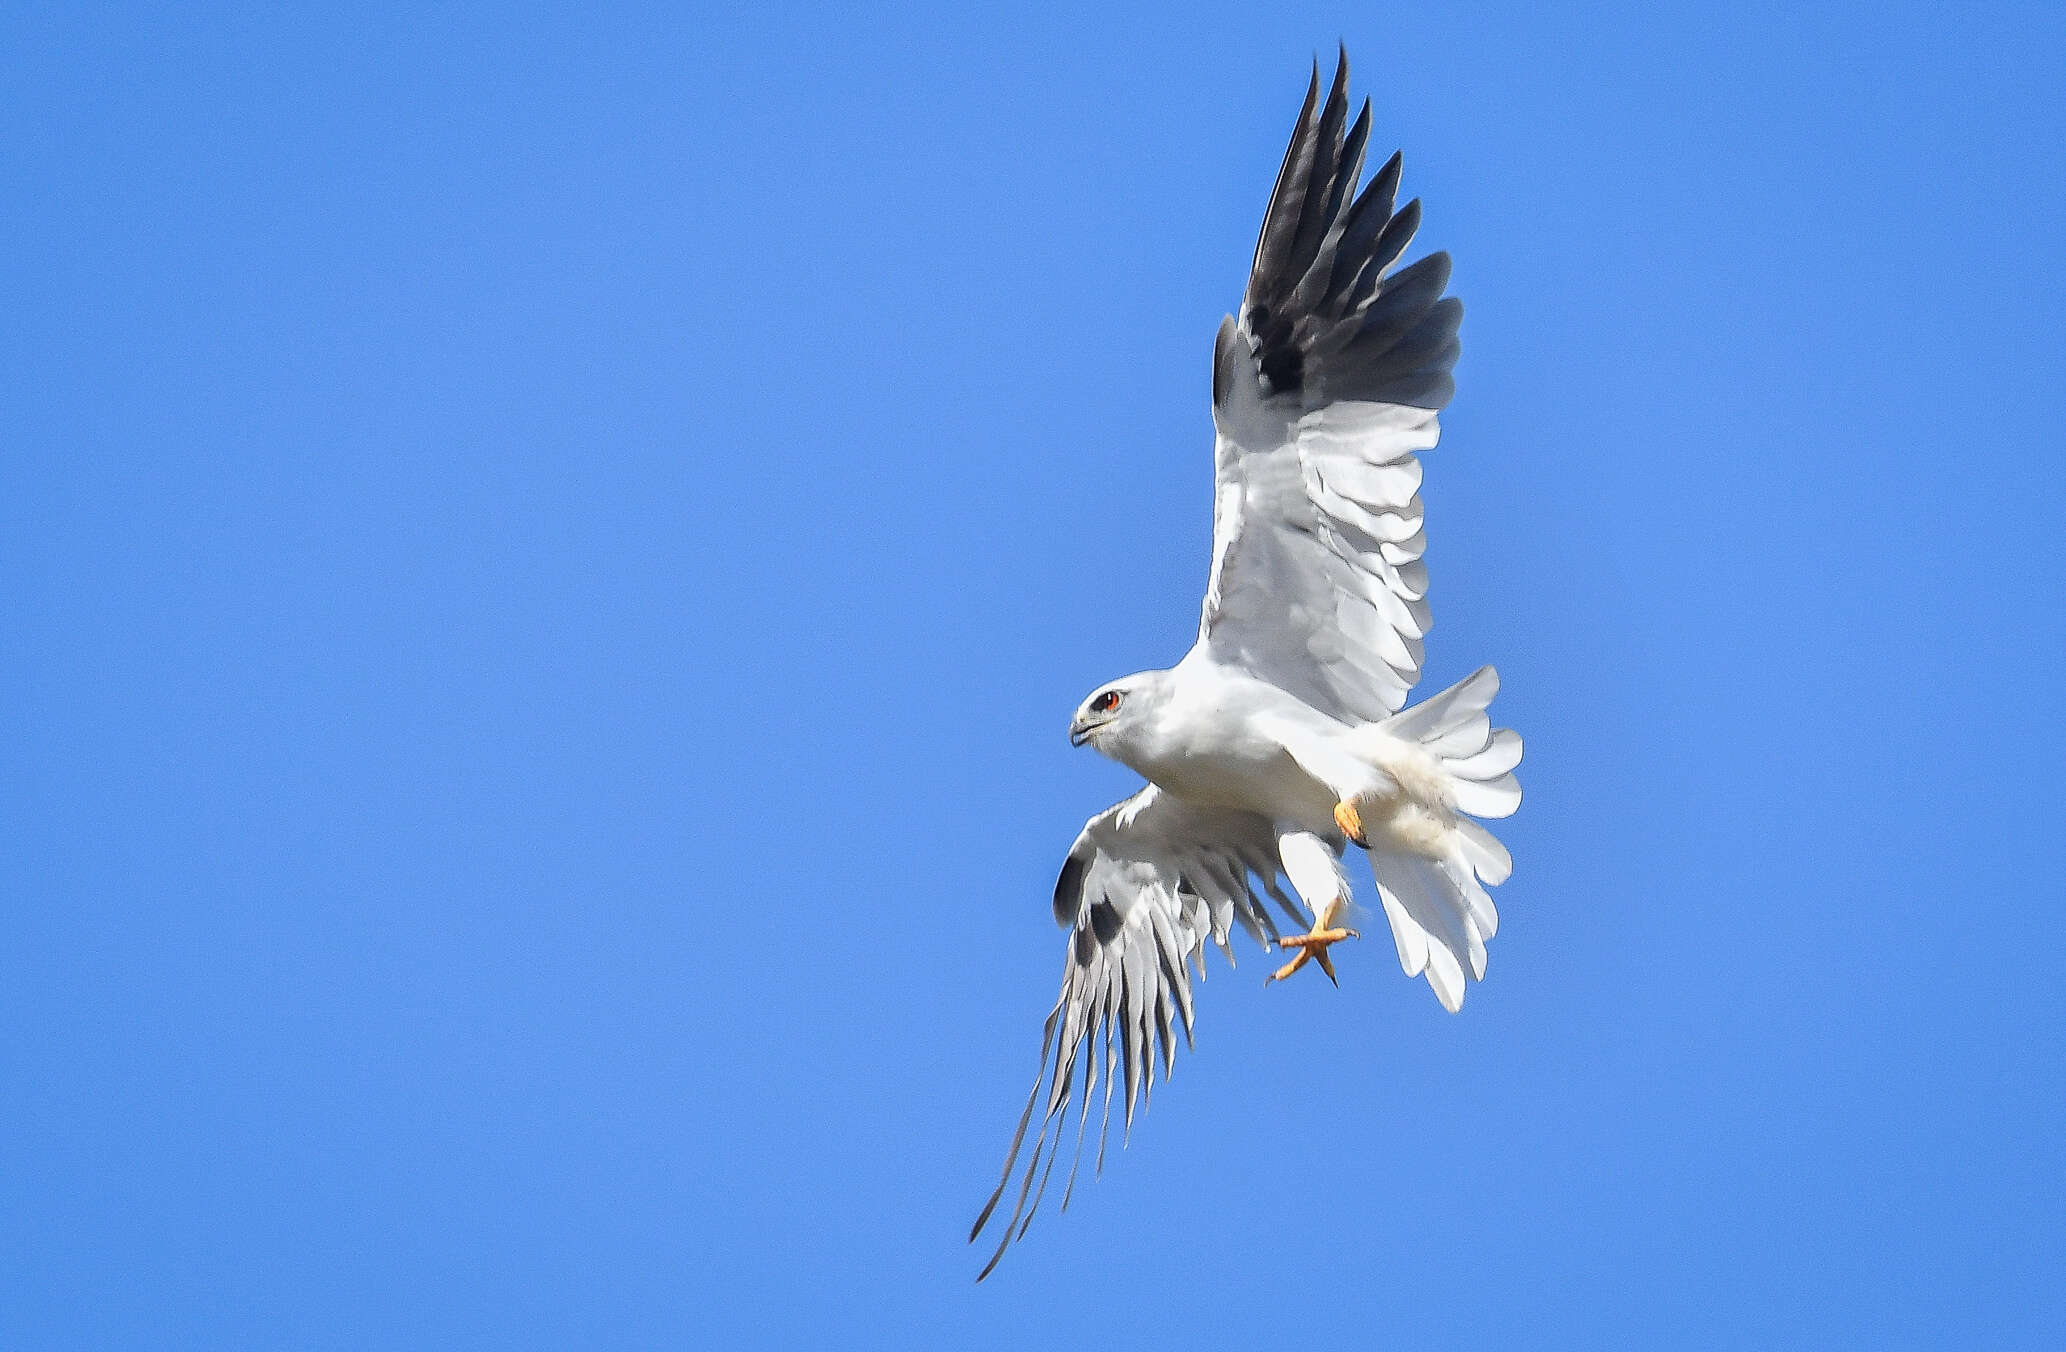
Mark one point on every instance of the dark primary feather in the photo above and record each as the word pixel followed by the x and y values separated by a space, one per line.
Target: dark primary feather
pixel 1322 320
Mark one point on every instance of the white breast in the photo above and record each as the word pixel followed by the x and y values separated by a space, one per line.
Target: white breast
pixel 1207 742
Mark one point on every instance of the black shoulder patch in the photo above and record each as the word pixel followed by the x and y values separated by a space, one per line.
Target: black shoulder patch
pixel 1229 355
pixel 1069 890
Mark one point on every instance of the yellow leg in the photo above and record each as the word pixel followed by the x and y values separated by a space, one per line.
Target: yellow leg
pixel 1351 822
pixel 1312 946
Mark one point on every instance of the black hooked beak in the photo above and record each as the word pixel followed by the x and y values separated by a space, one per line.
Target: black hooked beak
pixel 1078 733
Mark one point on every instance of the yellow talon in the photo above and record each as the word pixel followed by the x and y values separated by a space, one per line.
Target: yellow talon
pixel 1351 822
pixel 1312 946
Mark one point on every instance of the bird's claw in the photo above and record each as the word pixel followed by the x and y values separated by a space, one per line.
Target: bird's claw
pixel 1312 947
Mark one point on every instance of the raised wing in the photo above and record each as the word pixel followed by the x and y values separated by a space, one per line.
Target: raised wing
pixel 1322 393
pixel 1147 882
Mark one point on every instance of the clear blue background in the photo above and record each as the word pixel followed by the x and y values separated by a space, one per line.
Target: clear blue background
pixel 547 556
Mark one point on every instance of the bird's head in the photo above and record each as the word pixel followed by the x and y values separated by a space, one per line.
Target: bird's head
pixel 1113 710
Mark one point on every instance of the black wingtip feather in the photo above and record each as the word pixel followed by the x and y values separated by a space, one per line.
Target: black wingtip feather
pixel 1322 198
pixel 1401 304
pixel 1317 288
pixel 1384 251
pixel 1289 193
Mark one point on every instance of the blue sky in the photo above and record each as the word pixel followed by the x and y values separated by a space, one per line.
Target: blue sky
pixel 548 557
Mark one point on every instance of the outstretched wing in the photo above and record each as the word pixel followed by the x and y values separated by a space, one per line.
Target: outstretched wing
pixel 1322 393
pixel 1145 885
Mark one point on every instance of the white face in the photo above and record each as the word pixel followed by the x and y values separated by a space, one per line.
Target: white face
pixel 1098 712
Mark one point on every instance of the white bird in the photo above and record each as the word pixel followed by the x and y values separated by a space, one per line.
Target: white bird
pixel 1278 741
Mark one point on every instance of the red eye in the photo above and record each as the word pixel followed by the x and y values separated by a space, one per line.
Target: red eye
pixel 1106 702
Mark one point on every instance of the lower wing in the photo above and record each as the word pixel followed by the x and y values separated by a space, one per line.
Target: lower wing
pixel 1147 882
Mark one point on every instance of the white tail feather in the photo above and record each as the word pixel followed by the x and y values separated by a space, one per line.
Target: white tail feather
pixel 1493 864
pixel 1433 888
